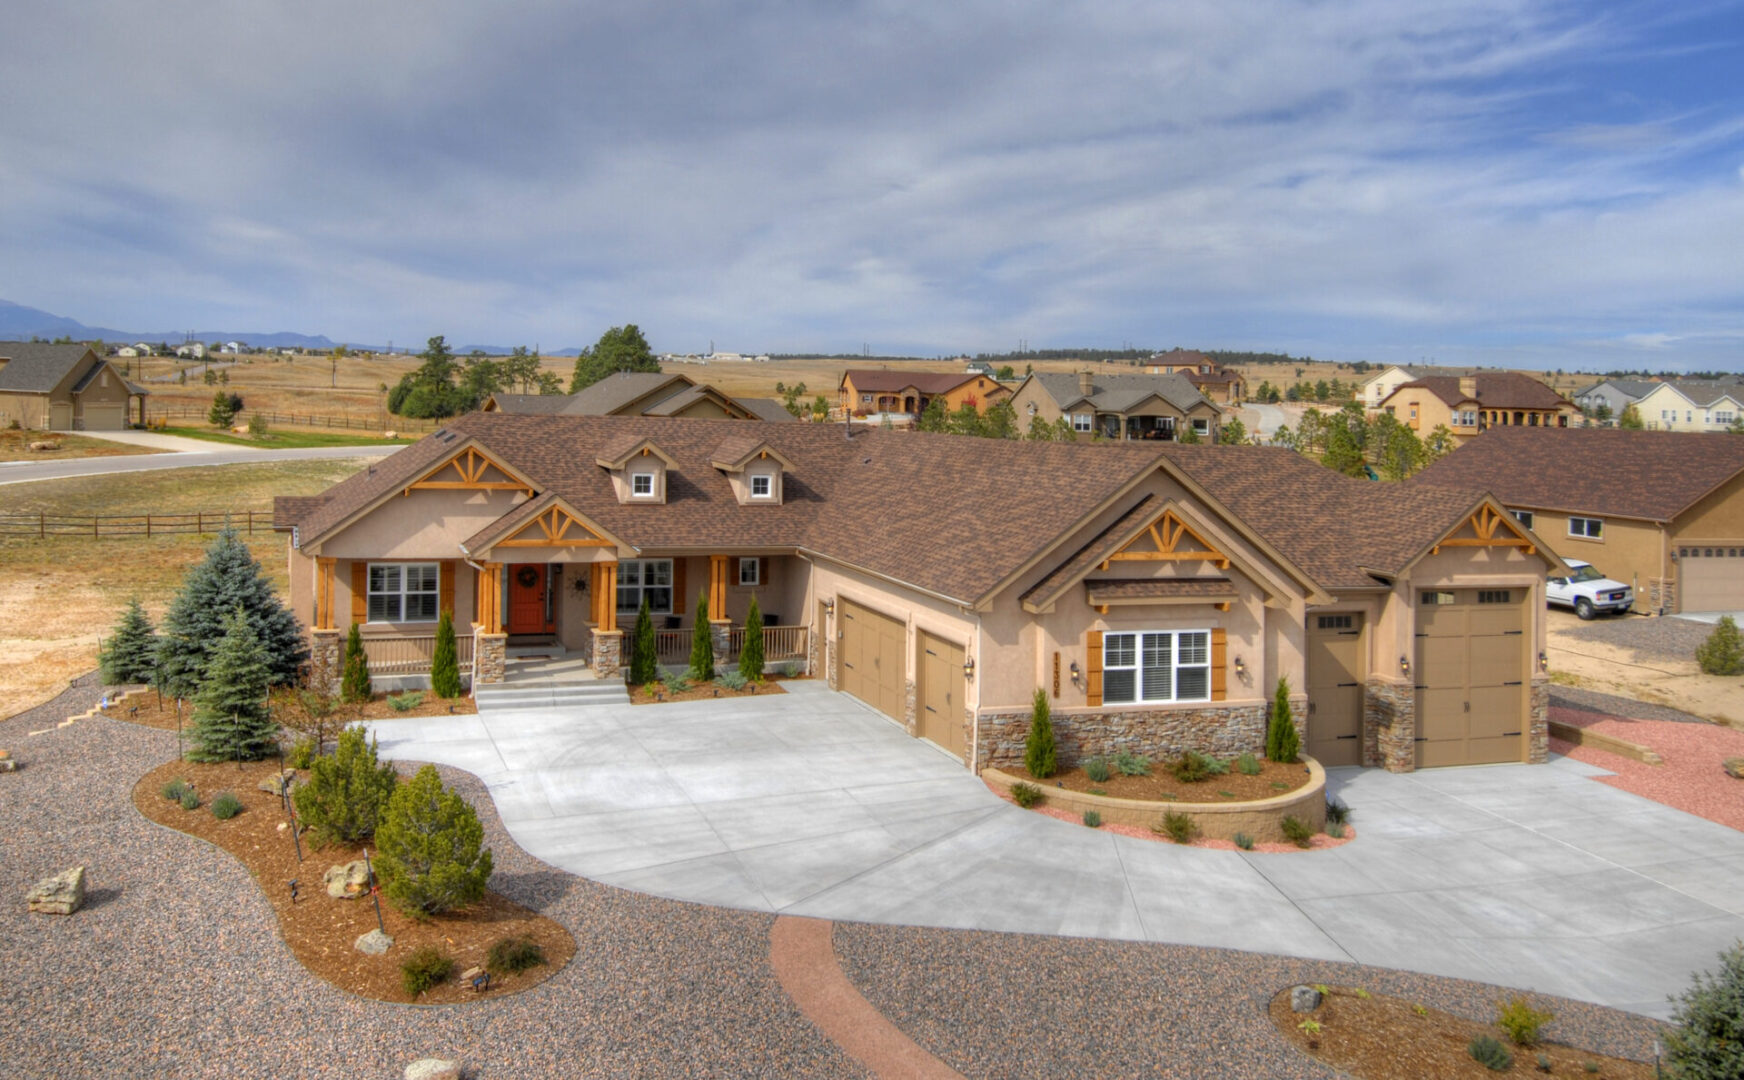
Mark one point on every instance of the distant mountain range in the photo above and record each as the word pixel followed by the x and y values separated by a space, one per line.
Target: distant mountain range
pixel 20 323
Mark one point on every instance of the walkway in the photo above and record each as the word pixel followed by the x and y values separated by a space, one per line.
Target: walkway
pixel 811 804
pixel 211 454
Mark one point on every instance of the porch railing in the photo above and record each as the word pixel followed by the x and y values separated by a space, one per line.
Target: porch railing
pixel 672 646
pixel 412 655
pixel 779 642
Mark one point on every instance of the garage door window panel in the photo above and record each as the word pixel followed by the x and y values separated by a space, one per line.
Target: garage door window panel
pixel 1156 665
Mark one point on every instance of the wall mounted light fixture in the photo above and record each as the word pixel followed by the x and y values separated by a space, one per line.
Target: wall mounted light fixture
pixel 969 668
pixel 1543 662
pixel 830 606
pixel 1240 668
pixel 1405 665
pixel 1075 673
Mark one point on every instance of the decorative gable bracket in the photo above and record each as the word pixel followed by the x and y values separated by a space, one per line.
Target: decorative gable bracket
pixel 469 470
pixel 554 527
pixel 1489 528
pixel 1166 534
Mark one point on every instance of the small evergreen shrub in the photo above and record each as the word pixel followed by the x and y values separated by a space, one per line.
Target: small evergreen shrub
pixel 173 790
pixel 1335 830
pixel 732 680
pixel 231 719
pixel 1244 841
pixel 1520 1021
pixel 702 644
pixel 1723 652
pixel 432 854
pixel 1489 1052
pixel 1191 767
pixel 644 648
pixel 445 660
pixel 1592 1068
pixel 354 682
pixel 1336 812
pixel 1282 742
pixel 1216 766
pixel 1093 818
pixel 1097 769
pixel 1130 764
pixel 1297 831
pixel 225 805
pixel 347 791
pixel 513 955
pixel 405 702
pixel 1543 1063
pixel 1179 827
pixel 1708 1040
pixel 130 654
pixel 302 753
pixel 190 799
pixel 1026 795
pixel 1039 752
pixel 751 653
pixel 426 967
pixel 1248 765
pixel 257 425
pixel 675 683
pixel 789 670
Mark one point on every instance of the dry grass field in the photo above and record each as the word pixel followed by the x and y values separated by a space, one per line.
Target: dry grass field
pixel 57 596
pixel 15 446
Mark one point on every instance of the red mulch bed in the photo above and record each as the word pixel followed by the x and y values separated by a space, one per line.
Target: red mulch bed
pixel 144 707
pixel 320 929
pixel 1161 786
pixel 1691 779
pixel 657 695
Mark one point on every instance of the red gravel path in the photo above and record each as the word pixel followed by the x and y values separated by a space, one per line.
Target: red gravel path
pixel 1691 779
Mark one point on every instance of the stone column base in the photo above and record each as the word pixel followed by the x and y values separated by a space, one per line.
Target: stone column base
pixel 1390 725
pixel 1538 723
pixel 608 646
pixel 326 660
pixel 720 631
pixel 490 655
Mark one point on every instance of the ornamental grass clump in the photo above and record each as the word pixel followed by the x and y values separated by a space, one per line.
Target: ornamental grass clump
pixel 432 855
pixel 1193 767
pixel 1178 826
pixel 225 805
pixel 347 792
pixel 1039 752
pixel 1026 795
pixel 513 955
pixel 1097 770
pixel 1093 818
pixel 1248 765
pixel 1297 831
pixel 1489 1052
pixel 173 790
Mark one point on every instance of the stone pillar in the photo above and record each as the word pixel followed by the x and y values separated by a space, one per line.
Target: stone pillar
pixel 1538 723
pixel 489 656
pixel 1390 725
pixel 813 642
pixel 608 648
pixel 326 660
pixel 720 632
pixel 910 715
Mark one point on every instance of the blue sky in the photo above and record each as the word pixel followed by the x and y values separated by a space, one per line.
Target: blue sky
pixel 1501 181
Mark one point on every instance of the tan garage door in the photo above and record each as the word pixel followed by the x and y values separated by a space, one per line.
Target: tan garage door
pixel 1335 688
pixel 872 658
pixel 941 693
pixel 105 417
pixel 1471 676
pixel 1711 577
pixel 60 416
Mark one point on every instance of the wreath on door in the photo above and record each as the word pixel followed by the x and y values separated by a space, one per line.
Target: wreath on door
pixel 527 576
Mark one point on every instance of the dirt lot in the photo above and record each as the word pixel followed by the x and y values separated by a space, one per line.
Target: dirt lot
pixel 15 446
pixel 1649 659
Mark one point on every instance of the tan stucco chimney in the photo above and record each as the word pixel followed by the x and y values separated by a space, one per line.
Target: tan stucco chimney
pixel 1084 379
pixel 1468 386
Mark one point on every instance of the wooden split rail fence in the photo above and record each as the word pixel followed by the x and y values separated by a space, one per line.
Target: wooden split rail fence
pixel 155 417
pixel 103 526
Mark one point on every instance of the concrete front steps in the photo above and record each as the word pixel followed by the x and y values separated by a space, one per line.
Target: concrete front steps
pixel 543 675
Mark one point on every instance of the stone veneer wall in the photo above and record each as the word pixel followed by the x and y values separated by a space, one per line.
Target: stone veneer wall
pixel 1220 730
pixel 326 660
pixel 910 712
pixel 813 643
pixel 490 656
pixel 1389 731
pixel 608 646
pixel 1538 731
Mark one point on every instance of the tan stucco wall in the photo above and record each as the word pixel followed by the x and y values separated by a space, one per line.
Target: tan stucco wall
pixel 29 410
pixel 1633 552
pixel 427 524
pixel 1718 516
pixel 304 575
pixel 115 393
pixel 1031 393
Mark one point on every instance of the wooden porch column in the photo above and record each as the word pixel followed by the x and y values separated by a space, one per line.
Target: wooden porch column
pixel 717 588
pixel 491 598
pixel 324 593
pixel 608 596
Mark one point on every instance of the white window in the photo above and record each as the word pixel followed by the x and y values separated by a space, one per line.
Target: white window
pixel 1524 517
pixel 1156 666
pixel 1469 418
pixel 402 592
pixel 865 399
pixel 1591 528
pixel 650 578
pixel 1725 417
pixel 1081 421
pixel 762 486
pixel 1202 426
pixel 748 571
pixel 642 484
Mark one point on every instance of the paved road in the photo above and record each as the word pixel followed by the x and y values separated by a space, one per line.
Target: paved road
pixel 812 804
pixel 19 472
pixel 1271 418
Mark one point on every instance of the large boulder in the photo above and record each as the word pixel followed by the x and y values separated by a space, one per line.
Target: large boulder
pixel 347 881
pixel 62 894
pixel 1734 767
pixel 433 1069
pixel 373 943
pixel 277 782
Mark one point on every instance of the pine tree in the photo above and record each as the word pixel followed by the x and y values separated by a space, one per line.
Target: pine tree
pixel 1723 652
pixel 131 653
pixel 432 856
pixel 445 660
pixel 354 686
pixel 1039 755
pixel 644 651
pixel 221 413
pixel 228 578
pixel 231 718
pixel 1282 742
pixel 751 655
pixel 702 644
pixel 347 792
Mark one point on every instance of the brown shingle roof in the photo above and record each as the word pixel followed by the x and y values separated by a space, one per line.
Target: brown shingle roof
pixel 289 509
pixel 1102 545
pixel 1653 475
pixel 927 382
pixel 1199 588
pixel 1495 390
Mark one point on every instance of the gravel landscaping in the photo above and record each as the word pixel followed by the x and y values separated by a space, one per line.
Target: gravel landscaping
pixel 1654 638
pixel 1579 699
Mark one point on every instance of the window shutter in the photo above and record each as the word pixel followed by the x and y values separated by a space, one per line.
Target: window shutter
pixel 763 570
pixel 1219 665
pixel 359 592
pixel 679 603
pixel 445 587
pixel 1093 666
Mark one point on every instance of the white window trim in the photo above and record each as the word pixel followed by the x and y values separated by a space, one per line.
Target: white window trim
pixel 636 478
pixel 674 603
pixel 768 482
pixel 1524 517
pixel 1201 426
pixel 1082 421
pixel 1597 524
pixel 400 594
pixel 755 566
pixel 1141 692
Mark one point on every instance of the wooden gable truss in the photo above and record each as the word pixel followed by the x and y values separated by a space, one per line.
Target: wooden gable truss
pixel 1166 534
pixel 470 470
pixel 1490 528
pixel 554 527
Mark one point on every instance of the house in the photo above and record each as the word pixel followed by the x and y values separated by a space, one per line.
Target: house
pixel 1117 406
pixel 1154 593
pixel 887 390
pixel 127 351
pixel 1691 405
pixel 64 388
pixel 1614 394
pixel 1376 388
pixel 643 393
pixel 1469 404
pixel 193 350
pixel 1663 512
pixel 1220 385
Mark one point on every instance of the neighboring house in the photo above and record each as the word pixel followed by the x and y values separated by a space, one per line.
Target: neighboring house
pixel 1615 394
pixel 1469 404
pixel 195 350
pixel 1662 512
pixel 1691 405
pixel 127 351
pixel 1155 594
pixel 892 390
pixel 643 393
pixel 1219 384
pixel 1378 386
pixel 64 388
pixel 1117 406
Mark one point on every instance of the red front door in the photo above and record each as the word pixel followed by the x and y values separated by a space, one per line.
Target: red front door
pixel 527 599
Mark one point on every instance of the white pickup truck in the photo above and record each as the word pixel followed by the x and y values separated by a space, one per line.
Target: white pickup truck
pixel 1588 591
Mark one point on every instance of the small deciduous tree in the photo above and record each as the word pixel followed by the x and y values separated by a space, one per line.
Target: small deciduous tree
pixel 130 655
pixel 1233 432
pixel 231 719
pixel 933 417
pixel 432 855
pixel 1039 752
pixel 702 643
pixel 644 649
pixel 1631 419
pixel 1188 434
pixel 445 659
pixel 347 792
pixel 751 655
pixel 1282 742
pixel 1723 652
pixel 354 686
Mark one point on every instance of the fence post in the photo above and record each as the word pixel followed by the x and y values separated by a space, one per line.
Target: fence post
pixel 42 526
pixel 148 526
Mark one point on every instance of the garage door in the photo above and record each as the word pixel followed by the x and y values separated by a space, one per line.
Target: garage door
pixel 60 416
pixel 872 658
pixel 941 693
pixel 1335 688
pixel 1711 577
pixel 105 417
pixel 1471 676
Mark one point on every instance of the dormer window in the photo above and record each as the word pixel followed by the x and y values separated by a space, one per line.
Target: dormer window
pixel 642 485
pixel 762 486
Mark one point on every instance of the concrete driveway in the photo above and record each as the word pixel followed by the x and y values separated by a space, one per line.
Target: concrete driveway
pixel 812 804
